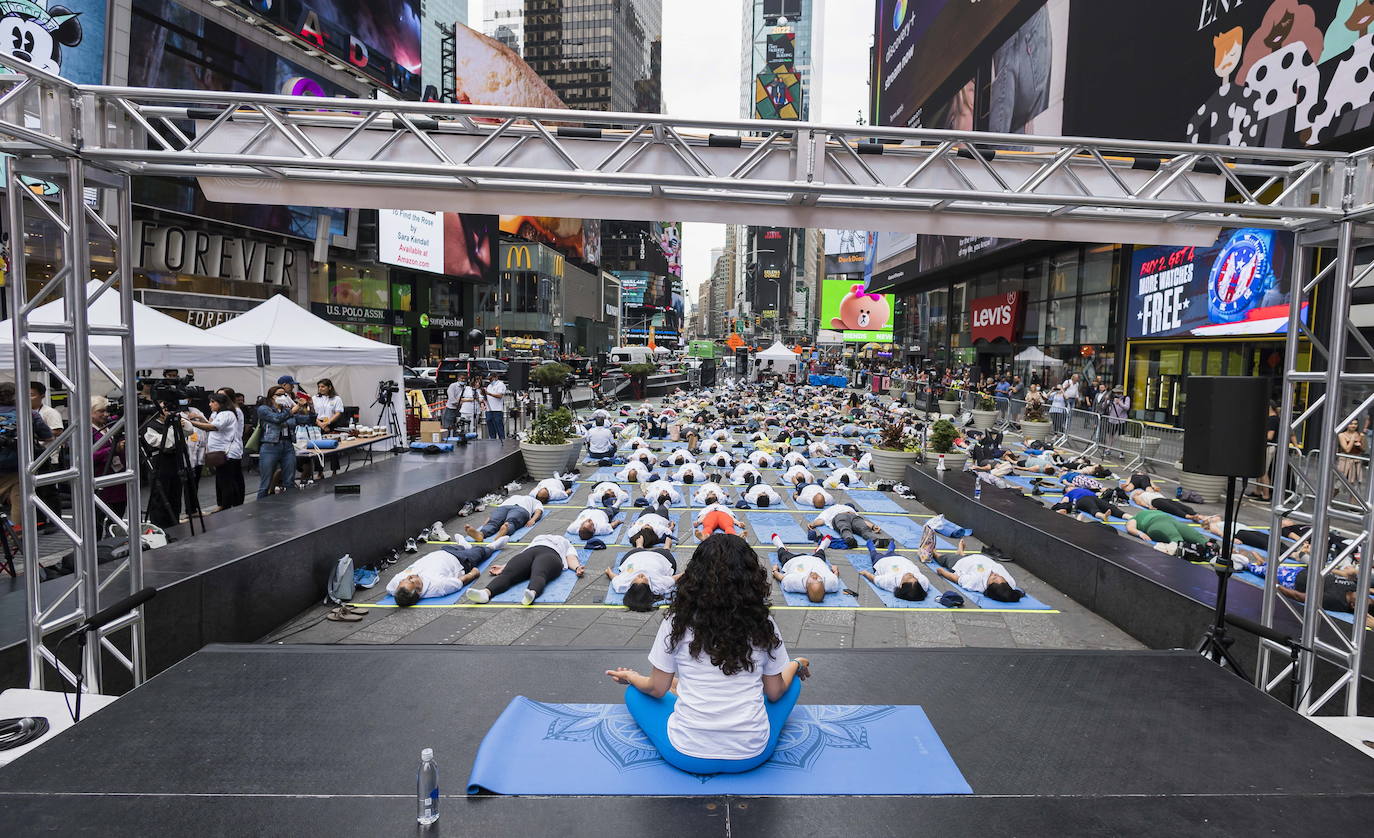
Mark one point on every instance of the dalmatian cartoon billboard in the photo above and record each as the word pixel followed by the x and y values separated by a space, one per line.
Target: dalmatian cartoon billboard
pixel 64 37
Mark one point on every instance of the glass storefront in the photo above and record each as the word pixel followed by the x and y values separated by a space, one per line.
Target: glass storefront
pixel 1159 371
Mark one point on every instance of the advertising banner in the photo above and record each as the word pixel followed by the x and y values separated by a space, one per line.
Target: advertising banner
pixel 1259 73
pixel 380 38
pixel 845 241
pixel 641 289
pixel 861 317
pixel 844 263
pixel 777 94
pixel 668 235
pixel 64 37
pixel 451 243
pixel 782 48
pixel 1239 286
pixel 996 317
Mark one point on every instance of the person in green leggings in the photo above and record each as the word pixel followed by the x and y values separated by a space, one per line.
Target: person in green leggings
pixel 1152 526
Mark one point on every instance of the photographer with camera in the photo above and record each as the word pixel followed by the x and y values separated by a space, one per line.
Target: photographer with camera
pixel 277 421
pixel 165 435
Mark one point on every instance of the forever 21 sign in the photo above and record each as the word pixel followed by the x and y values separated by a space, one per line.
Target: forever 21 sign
pixel 198 253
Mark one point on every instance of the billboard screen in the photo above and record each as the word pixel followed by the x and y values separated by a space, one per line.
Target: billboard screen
pixel 66 39
pixel 861 317
pixel 668 236
pixel 641 289
pixel 845 241
pixel 1274 73
pixel 1238 286
pixel 379 38
pixel 457 244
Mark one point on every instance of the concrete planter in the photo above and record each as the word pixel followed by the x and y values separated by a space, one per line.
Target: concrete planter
pixel 1210 486
pixel 984 419
pixel 954 460
pixel 1145 446
pixel 891 465
pixel 949 406
pixel 1035 430
pixel 549 460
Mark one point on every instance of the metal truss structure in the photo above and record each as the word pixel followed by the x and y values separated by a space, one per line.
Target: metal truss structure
pixel 252 148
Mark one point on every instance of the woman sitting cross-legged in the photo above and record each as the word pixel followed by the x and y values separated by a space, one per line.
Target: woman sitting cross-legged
pixel 734 686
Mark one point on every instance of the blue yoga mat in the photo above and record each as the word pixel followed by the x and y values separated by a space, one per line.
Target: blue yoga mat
pixel 557 589
pixel 862 562
pixel 906 531
pixel 824 750
pixel 1025 603
pixel 871 500
pixel 613 598
pixel 454 597
pixel 766 522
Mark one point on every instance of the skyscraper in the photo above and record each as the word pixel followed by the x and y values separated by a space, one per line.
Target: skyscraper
pixel 504 20
pixel 597 55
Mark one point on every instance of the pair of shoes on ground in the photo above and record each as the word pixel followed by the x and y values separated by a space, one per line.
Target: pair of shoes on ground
pixel 346 613
pixel 482 596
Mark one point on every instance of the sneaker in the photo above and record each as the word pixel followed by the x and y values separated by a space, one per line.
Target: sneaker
pixel 410 546
pixel 438 533
pixel 468 509
pixel 481 506
pixel 528 597
pixel 481 596
pixel 424 535
pixel 393 557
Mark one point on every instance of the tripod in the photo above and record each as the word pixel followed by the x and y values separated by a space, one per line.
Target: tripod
pixel 185 471
pixel 387 418
pixel 1215 643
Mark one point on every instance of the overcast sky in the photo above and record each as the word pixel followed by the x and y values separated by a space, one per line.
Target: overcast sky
pixel 701 78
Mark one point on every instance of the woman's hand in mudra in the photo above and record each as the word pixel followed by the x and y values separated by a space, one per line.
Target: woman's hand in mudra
pixel 496 569
pixel 622 675
pixel 803 668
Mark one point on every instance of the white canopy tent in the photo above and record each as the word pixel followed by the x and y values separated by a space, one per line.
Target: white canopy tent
pixel 292 341
pixel 784 360
pixel 160 341
pixel 1032 355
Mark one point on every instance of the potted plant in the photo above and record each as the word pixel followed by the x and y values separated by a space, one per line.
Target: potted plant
pixel 548 446
pixel 1035 422
pixel 896 449
pixel 551 377
pixel 639 376
pixel 949 402
pixel 941 442
pixel 984 411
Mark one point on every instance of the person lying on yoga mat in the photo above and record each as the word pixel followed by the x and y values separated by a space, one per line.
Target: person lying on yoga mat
pixel 798 476
pixel 1087 501
pixel 978 573
pixel 763 496
pixel 842 478
pixel 442 572
pixel 897 574
pixel 818 449
pixel 651 528
pixel 609 495
pixel 745 474
pixel 854 529
pixel 865 462
pixel 794 458
pixel 592 522
pixel 1340 590
pixel 661 493
pixel 689 473
pixel 721 685
pixel 677 458
pixel 642 455
pixel 717 518
pixel 513 513
pixel 761 459
pixel 811 575
pixel 645 577
pixel 1140 482
pixel 550 490
pixel 1153 527
pixel 537 565
pixel 1154 500
pixel 720 459
pixel 709 493
pixel 634 472
pixel 814 496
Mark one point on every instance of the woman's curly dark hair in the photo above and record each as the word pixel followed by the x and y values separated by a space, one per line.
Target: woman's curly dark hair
pixel 723 598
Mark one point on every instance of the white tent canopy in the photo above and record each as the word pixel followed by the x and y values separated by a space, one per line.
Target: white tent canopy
pixel 777 352
pixel 160 341
pixel 1033 355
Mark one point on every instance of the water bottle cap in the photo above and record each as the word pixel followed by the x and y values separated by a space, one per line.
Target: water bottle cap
pixel 427 754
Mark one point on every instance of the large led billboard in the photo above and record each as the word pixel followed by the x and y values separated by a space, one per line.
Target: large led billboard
pixel 456 244
pixel 862 317
pixel 1238 286
pixel 65 38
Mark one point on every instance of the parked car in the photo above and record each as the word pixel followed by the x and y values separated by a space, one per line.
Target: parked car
pixel 449 369
pixel 415 381
pixel 427 372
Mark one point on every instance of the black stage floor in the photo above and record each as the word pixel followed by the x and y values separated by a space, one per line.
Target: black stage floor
pixel 260 564
pixel 300 740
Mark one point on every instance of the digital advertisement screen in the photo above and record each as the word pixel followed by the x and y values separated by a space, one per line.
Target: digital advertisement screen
pixel 65 38
pixel 380 38
pixel 861 317
pixel 1238 286
pixel 456 244
pixel 564 234
pixel 1270 73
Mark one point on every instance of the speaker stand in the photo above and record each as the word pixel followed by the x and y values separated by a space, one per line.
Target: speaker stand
pixel 1216 643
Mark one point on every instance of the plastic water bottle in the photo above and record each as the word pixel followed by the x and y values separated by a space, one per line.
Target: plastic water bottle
pixel 977 489
pixel 427 788
pixel 941 465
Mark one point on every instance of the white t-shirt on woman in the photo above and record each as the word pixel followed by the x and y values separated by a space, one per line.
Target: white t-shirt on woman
pixel 717 716
pixel 327 406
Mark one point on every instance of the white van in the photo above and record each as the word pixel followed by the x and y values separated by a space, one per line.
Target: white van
pixel 622 355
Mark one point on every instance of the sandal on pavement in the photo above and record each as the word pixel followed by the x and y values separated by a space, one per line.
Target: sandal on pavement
pixel 339 615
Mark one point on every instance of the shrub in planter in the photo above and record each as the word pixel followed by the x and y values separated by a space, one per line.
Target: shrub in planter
pixel 549 448
pixel 984 411
pixel 896 449
pixel 1035 412
pixel 550 375
pixel 985 401
pixel 941 441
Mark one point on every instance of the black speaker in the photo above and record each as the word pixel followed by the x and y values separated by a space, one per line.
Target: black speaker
pixel 518 376
pixel 741 362
pixel 1224 425
pixel 708 372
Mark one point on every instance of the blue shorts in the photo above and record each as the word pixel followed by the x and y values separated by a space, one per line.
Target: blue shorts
pixel 652 716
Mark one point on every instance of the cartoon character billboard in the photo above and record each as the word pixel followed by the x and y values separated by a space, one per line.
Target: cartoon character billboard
pixel 862 317
pixel 65 37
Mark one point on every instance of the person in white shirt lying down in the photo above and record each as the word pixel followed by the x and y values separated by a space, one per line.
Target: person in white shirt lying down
pixel 761 459
pixel 709 493
pixel 689 473
pixel 642 455
pixel 652 528
pixel 514 513
pixel 897 574
pixel 550 490
pixel 798 476
pixel 718 518
pixel 854 529
pixel 813 495
pixel 609 495
pixel 645 577
pixel 634 472
pixel 537 565
pixel 745 474
pixel 661 493
pixel 592 522
pixel 720 459
pixel 680 457
pixel 864 463
pixel 978 573
pixel 442 572
pixel 842 478
pixel 762 495
pixel 811 575
pixel 794 458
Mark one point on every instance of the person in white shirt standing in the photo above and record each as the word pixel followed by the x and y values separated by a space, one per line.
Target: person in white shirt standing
pixel 224 449
pixel 329 416
pixel 469 399
pixel 494 395
pixel 537 565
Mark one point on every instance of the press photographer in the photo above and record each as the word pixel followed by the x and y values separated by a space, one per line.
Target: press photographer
pixel 165 430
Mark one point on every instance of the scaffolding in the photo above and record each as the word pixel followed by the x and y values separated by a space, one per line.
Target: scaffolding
pixel 270 149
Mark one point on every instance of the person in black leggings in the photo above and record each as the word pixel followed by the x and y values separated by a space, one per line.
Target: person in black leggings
pixel 1152 500
pixel 1085 500
pixel 540 563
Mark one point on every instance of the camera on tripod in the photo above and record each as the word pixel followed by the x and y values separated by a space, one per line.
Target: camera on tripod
pixel 387 389
pixel 171 393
